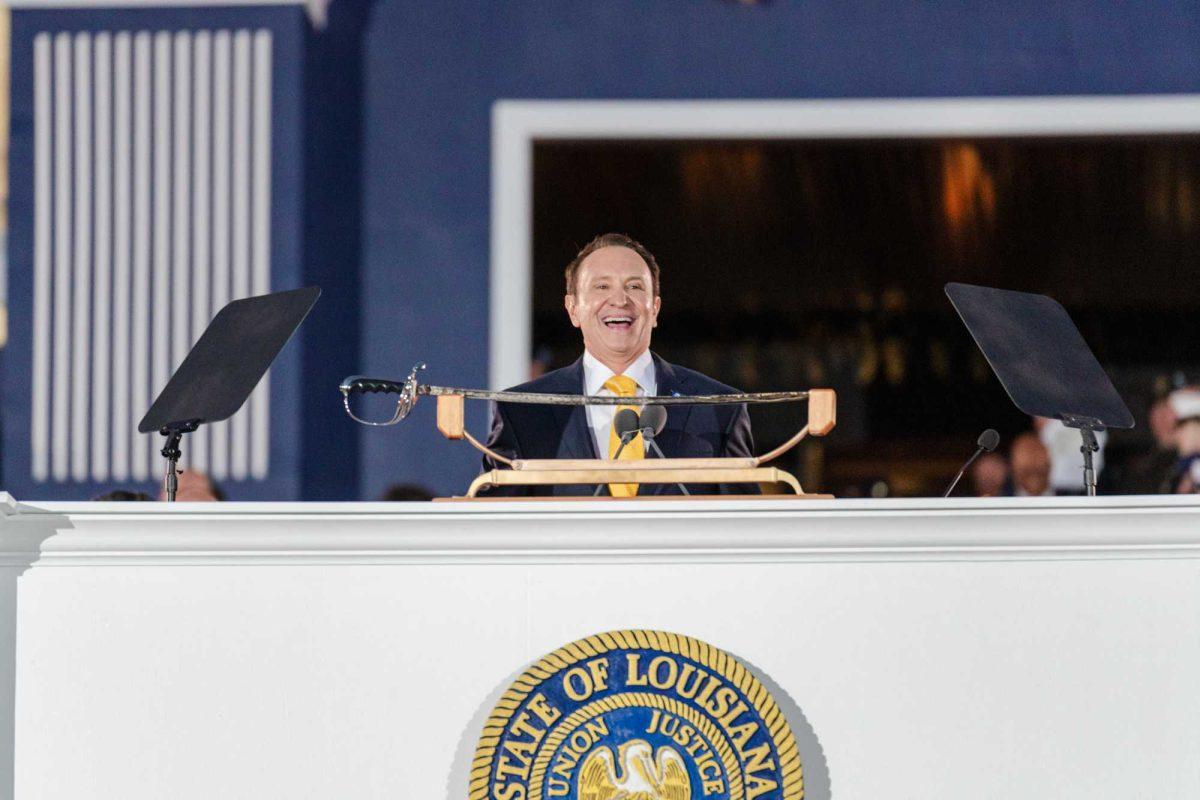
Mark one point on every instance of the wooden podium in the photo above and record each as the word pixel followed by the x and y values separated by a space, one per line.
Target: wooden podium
pixel 1043 647
pixel 822 416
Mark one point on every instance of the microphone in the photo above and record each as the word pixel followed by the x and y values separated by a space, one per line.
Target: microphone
pixel 654 419
pixel 988 441
pixel 627 426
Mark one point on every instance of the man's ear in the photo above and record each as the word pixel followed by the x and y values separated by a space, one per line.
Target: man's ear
pixel 569 302
pixel 657 306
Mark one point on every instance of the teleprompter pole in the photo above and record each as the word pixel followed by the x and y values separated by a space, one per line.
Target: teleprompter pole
pixel 171 452
pixel 1089 446
pixel 1087 431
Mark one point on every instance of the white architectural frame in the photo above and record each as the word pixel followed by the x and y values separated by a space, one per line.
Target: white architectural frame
pixel 517 124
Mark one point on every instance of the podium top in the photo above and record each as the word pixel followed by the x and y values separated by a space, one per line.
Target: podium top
pixel 1039 356
pixel 230 358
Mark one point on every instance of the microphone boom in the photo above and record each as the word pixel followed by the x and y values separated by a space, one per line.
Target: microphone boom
pixel 988 441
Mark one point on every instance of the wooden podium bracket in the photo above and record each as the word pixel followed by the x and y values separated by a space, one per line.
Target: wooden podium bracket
pixel 554 472
pixel 822 417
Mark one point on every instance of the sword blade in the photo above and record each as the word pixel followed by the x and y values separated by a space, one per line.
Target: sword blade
pixel 538 398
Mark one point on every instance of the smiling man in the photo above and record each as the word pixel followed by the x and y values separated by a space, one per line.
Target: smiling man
pixel 612 296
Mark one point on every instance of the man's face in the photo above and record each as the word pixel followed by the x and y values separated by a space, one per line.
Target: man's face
pixel 193 487
pixel 1031 465
pixel 989 474
pixel 1162 424
pixel 614 305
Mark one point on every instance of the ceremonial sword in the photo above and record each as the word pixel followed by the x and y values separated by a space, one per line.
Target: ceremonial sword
pixel 410 389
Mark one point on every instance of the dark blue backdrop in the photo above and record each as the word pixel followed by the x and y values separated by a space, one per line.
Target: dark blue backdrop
pixel 433 71
pixel 395 147
pixel 291 375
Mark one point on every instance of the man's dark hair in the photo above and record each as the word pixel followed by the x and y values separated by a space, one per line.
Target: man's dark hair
pixel 611 240
pixel 401 492
pixel 124 495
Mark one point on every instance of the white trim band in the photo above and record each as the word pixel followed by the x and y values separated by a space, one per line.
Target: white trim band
pixel 634 531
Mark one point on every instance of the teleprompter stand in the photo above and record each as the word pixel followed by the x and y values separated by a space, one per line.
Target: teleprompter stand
pixel 1043 362
pixel 223 368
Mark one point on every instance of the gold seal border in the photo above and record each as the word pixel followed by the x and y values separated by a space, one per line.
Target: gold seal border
pixel 716 659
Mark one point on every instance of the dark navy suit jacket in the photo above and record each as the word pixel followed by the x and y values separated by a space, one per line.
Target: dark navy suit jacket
pixel 521 430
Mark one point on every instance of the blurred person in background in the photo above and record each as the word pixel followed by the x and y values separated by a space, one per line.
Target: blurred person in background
pixel 1185 403
pixel 124 495
pixel 540 364
pixel 195 487
pixel 1031 467
pixel 1066 460
pixel 406 492
pixel 1153 472
pixel 989 476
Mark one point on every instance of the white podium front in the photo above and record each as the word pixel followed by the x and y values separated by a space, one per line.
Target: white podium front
pixel 919 648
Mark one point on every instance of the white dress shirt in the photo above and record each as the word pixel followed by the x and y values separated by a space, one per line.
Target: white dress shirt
pixel 594 376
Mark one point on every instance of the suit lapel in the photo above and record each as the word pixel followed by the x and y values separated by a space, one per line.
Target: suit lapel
pixel 572 420
pixel 669 385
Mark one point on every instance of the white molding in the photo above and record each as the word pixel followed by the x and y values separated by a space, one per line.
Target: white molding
pixel 131 534
pixel 516 124
pixel 25 5
pixel 318 10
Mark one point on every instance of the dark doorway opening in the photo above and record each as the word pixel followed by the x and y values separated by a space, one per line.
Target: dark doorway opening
pixel 795 264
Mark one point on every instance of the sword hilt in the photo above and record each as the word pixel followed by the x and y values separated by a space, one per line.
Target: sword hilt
pixel 358 384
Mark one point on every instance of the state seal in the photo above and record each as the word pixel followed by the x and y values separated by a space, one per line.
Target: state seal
pixel 637 715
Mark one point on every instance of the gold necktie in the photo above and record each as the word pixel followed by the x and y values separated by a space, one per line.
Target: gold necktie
pixel 623 386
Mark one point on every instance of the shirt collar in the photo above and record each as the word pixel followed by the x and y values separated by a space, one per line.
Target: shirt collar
pixel 595 373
